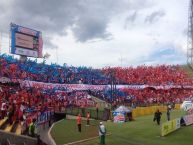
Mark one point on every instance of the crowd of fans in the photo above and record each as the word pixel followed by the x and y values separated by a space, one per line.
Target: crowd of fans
pixel 142 75
pixel 25 104
pixel 158 75
pixel 151 96
pixel 144 97
pixel 31 70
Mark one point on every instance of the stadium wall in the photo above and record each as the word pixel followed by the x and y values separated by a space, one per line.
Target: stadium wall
pixel 142 111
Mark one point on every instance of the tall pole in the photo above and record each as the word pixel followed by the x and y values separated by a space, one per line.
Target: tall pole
pixel 113 85
pixel 190 36
pixel 111 82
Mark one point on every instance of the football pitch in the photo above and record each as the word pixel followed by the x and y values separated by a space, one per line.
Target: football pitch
pixel 142 131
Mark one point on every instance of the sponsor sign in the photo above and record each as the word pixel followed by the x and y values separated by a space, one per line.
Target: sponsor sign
pixel 170 126
pixel 26 52
pixel 119 117
pixel 187 106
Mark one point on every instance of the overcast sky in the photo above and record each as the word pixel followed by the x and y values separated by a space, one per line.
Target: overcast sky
pixel 102 33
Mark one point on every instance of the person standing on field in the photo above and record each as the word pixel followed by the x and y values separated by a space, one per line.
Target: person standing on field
pixel 78 120
pixel 97 111
pixel 88 118
pixel 168 112
pixel 102 133
pixel 157 116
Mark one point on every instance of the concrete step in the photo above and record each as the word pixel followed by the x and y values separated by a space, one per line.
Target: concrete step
pixel 9 127
pixel 18 129
pixel 2 121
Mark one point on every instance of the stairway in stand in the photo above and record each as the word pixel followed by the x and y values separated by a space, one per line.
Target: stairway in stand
pixel 15 127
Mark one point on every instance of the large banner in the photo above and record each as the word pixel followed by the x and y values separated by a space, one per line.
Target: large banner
pixel 85 102
pixel 71 87
pixel 134 87
pixel 44 117
pixel 26 41
pixel 67 87
pixel 162 87
pixel 188 119
pixel 170 126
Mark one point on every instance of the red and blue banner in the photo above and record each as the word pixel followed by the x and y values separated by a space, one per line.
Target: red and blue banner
pixel 119 117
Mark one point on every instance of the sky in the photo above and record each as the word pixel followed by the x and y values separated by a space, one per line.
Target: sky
pixel 100 33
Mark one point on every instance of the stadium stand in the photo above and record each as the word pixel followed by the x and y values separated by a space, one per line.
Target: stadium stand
pixel 20 104
pixel 31 70
pixel 157 75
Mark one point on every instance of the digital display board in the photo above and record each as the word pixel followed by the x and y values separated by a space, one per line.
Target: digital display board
pixel 26 41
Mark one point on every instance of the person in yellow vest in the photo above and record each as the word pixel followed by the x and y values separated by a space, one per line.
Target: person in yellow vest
pixel 88 118
pixel 32 128
pixel 78 120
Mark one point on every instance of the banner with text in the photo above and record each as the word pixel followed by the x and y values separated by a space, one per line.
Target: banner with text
pixel 67 87
pixel 72 87
pixel 170 126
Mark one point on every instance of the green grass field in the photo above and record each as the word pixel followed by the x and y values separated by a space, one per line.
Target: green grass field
pixel 66 131
pixel 142 131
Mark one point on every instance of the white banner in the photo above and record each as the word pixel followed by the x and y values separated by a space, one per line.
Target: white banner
pixel 27 52
pixel 69 87
pixel 72 87
pixel 5 80
pixel 188 119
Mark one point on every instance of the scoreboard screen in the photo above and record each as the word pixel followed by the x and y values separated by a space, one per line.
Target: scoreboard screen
pixel 26 41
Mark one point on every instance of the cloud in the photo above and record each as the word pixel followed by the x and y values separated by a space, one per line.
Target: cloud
pixel 154 16
pixel 97 32
pixel 91 28
pixel 48 44
pixel 132 17
pixel 167 53
pixel 88 19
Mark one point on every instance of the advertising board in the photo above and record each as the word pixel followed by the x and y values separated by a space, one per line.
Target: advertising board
pixel 170 126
